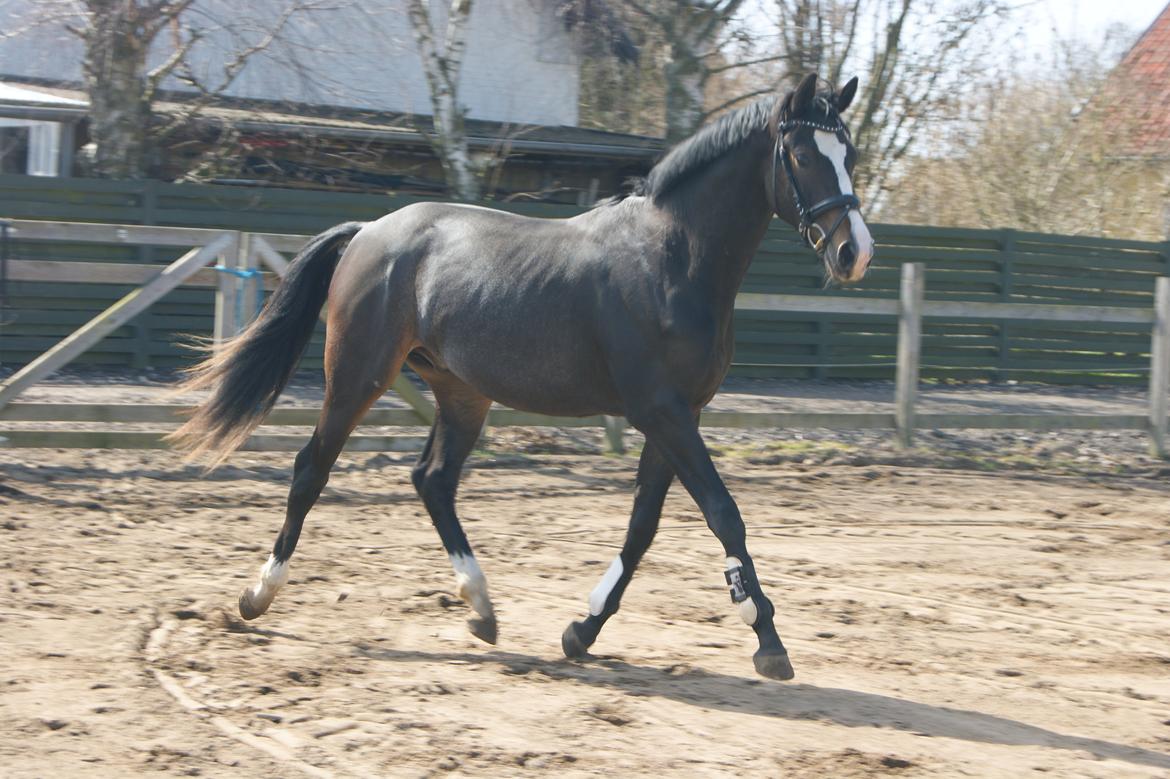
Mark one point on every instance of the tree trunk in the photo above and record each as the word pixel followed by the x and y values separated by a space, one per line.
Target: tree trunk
pixel 115 76
pixel 442 61
pixel 450 142
pixel 686 76
pixel 691 30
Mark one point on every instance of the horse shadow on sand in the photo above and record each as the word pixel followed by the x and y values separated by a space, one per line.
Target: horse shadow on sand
pixel 849 708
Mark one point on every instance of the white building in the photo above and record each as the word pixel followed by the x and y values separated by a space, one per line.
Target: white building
pixel 520 66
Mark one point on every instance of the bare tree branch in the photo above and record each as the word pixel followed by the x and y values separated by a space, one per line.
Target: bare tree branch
pixel 732 101
pixel 744 64
pixel 165 68
pixel 118 37
pixel 692 29
pixel 1063 157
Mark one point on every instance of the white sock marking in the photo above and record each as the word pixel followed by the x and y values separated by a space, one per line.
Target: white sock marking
pixel 601 592
pixel 471 584
pixel 747 608
pixel 831 146
pixel 273 576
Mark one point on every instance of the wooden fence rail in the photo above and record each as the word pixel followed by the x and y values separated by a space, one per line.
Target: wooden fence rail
pixel 238 282
pixel 238 294
pixel 993 266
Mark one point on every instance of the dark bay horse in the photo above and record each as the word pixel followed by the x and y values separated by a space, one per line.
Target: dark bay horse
pixel 624 310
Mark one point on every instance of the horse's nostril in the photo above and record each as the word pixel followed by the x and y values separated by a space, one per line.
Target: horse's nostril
pixel 845 256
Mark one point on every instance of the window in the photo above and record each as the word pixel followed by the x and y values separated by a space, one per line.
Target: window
pixel 30 147
pixel 13 149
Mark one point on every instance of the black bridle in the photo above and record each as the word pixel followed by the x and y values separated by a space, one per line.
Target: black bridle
pixel 808 215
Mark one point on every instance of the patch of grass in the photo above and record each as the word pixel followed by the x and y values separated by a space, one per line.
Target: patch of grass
pixel 783 451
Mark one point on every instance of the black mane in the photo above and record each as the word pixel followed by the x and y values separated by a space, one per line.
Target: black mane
pixel 712 142
pixel 690 155
pixel 709 143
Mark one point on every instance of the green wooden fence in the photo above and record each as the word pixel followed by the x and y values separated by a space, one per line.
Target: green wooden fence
pixel 1003 265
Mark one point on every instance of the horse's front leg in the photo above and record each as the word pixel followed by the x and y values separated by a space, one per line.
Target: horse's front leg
pixel 653 481
pixel 671 426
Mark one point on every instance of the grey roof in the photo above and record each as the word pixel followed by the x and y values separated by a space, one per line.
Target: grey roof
pixel 25 100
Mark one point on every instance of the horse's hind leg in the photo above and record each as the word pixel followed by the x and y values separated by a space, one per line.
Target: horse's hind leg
pixel 355 376
pixel 653 481
pixel 459 415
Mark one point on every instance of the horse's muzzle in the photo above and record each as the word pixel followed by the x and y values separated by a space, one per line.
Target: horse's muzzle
pixel 848 262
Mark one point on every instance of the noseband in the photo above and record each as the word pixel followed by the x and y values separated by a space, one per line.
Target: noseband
pixel 808 215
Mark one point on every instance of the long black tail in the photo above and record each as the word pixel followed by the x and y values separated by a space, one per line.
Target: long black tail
pixel 248 372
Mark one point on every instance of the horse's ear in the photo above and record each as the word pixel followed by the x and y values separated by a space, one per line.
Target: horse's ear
pixel 845 97
pixel 803 96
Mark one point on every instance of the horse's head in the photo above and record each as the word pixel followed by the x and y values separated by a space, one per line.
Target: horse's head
pixel 810 181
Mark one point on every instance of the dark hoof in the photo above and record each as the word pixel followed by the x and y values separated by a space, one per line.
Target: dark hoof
pixel 572 644
pixel 484 628
pixel 773 665
pixel 248 609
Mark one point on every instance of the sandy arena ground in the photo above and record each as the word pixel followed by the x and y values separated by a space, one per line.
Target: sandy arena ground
pixel 968 621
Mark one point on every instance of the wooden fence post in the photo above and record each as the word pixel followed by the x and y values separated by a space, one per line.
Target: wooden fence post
pixel 615 441
pixel 4 227
pixel 227 294
pixel 1007 255
pixel 251 281
pixel 909 349
pixel 1160 369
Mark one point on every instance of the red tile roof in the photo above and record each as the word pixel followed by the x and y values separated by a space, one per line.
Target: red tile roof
pixel 1147 68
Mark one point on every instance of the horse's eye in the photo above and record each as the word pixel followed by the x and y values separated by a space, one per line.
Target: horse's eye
pixel 802 158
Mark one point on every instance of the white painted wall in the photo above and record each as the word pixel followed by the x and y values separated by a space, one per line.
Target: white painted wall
pixel 520 63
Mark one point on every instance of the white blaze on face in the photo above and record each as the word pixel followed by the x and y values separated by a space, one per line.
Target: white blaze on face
pixel 601 592
pixel 471 584
pixel 832 147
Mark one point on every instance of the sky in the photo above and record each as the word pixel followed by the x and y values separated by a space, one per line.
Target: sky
pixel 1087 19
pixel 1035 25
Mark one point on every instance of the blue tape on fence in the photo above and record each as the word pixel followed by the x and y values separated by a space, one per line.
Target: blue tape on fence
pixel 241 273
pixel 244 274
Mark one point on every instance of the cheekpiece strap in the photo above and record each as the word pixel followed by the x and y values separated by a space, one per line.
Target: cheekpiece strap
pixel 807 215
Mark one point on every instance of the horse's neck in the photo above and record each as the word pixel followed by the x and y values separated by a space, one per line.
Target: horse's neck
pixel 725 212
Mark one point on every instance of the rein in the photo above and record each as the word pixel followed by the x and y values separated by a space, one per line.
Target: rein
pixel 808 215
